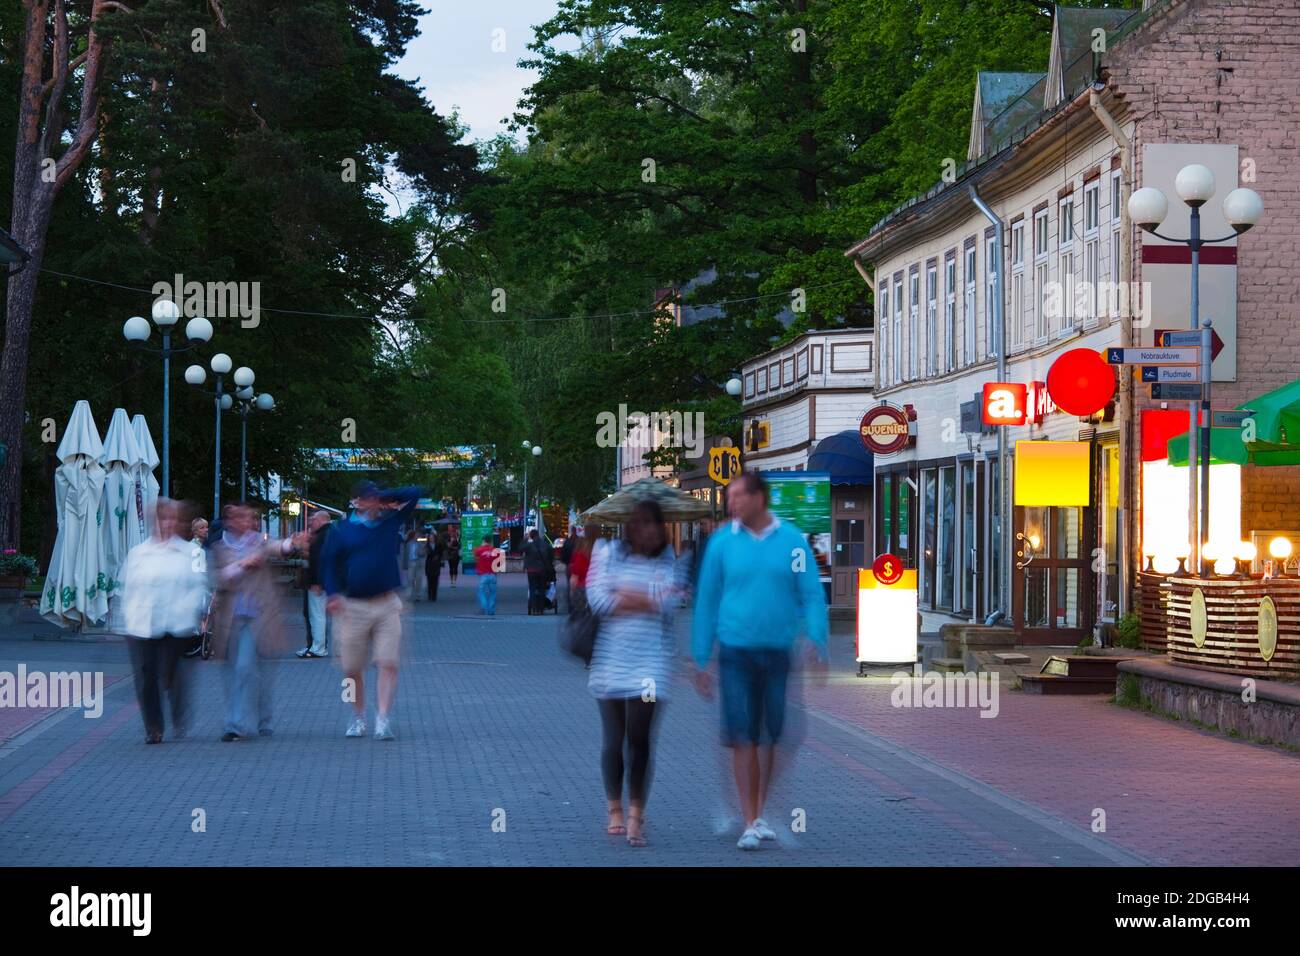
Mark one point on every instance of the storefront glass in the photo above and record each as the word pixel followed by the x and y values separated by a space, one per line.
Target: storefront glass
pixel 930 524
pixel 1108 530
pixel 945 563
pixel 969 550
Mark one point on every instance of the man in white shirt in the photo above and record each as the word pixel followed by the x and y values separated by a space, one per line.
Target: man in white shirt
pixel 164 592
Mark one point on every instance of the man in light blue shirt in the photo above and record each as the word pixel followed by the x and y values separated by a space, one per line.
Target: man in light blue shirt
pixel 758 590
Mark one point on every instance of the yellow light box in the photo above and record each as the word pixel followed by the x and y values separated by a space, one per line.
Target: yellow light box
pixel 1052 473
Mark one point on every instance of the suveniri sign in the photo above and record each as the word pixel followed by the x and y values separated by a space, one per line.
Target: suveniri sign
pixel 884 429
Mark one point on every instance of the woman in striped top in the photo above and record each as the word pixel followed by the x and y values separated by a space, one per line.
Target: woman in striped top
pixel 633 586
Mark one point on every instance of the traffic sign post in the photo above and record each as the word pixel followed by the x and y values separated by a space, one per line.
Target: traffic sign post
pixel 1171 373
pixel 1176 392
pixel 1142 356
pixel 1230 419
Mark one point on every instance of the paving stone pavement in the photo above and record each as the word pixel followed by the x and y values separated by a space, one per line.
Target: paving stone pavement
pixel 495 724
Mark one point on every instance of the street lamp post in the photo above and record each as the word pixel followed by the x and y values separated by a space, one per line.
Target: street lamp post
pixel 245 402
pixel 196 375
pixel 1242 208
pixel 136 331
pixel 536 452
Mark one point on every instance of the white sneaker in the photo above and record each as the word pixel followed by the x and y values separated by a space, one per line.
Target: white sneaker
pixel 384 729
pixel 357 728
pixel 764 831
pixel 749 840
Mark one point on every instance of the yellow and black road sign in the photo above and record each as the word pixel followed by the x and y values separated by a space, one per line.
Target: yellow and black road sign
pixel 724 463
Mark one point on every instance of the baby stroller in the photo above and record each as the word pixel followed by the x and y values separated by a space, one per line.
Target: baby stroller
pixel 202 646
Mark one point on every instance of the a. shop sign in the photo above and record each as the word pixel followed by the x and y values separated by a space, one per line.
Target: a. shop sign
pixel 1016 403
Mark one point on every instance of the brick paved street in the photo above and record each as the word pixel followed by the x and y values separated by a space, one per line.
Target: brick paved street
pixel 491 718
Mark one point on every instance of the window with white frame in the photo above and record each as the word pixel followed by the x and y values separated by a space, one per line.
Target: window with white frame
pixel 1042 273
pixel 950 311
pixel 1067 246
pixel 1016 311
pixel 1091 249
pixel 1116 214
pixel 882 331
pixel 991 294
pixel 896 351
pixel 932 318
pixel 969 320
pixel 913 322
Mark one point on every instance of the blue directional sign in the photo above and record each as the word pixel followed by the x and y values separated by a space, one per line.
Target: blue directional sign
pixel 1156 356
pixel 1177 393
pixel 1171 373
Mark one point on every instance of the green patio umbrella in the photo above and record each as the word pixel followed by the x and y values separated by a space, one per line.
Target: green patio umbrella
pixel 676 504
pixel 1277 433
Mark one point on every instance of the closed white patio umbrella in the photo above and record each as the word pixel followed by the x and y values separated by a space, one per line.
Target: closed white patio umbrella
pixel 123 509
pixel 76 588
pixel 144 444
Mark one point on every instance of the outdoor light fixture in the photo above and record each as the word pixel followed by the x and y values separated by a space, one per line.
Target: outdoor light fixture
pixel 1151 562
pixel 1182 553
pixel 221 363
pixel 244 376
pixel 196 375
pixel 1148 207
pixel 265 402
pixel 734 386
pixel 1242 208
pixel 1246 553
pixel 248 400
pixel 537 451
pixel 1280 550
pixel 136 331
pixel 226 402
pixel 244 394
pixel 198 329
pixel 1194 184
pixel 165 313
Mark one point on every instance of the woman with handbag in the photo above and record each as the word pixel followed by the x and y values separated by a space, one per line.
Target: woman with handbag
pixel 633 588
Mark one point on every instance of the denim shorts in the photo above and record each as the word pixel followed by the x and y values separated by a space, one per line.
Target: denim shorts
pixel 753 682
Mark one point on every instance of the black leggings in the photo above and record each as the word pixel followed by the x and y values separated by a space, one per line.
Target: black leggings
pixel 627 721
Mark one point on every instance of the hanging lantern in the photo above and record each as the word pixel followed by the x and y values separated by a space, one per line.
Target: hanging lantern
pixel 1080 382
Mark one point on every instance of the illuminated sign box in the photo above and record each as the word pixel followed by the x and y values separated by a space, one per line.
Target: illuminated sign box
pixel 886 619
pixel 1052 473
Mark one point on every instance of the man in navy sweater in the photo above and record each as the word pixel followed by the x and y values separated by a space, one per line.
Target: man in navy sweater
pixel 361 577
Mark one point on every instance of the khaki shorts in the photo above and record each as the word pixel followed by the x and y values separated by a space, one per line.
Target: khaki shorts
pixel 366 624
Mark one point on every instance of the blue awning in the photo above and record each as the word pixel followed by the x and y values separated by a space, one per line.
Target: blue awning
pixel 845 457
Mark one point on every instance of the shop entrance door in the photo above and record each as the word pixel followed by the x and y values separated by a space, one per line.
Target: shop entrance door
pixel 1052 585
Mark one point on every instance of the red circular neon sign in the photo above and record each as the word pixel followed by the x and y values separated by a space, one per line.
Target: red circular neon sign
pixel 884 429
pixel 888 569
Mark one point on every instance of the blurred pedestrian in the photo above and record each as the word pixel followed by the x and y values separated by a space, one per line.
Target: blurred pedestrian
pixel 246 617
pixel 434 549
pixel 580 563
pixel 415 563
pixel 633 587
pixel 758 588
pixel 453 556
pixel 198 546
pixel 318 622
pixel 362 579
pixel 535 568
pixel 487 558
pixel 164 591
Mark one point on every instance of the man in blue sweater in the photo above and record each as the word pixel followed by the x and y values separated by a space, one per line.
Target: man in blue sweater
pixel 758 589
pixel 361 577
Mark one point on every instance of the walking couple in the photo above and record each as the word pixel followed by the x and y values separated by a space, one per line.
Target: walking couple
pixel 757 590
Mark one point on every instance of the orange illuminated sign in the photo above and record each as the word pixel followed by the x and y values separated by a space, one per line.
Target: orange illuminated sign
pixel 1010 403
pixel 1005 403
